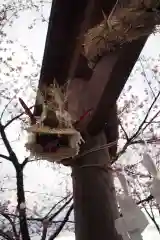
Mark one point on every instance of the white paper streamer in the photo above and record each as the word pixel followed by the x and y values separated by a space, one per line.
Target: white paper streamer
pixel 155 189
pixel 132 214
pixel 149 164
pixel 136 235
pixel 134 221
pixel 121 228
pixel 151 167
pixel 123 182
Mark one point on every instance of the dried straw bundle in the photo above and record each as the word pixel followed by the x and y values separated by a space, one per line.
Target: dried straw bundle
pixel 41 151
pixel 53 137
pixel 125 24
pixel 53 100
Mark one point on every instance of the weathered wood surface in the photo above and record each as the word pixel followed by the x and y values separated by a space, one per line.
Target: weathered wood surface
pixel 94 195
pixel 64 27
pixel 118 66
pixel 105 85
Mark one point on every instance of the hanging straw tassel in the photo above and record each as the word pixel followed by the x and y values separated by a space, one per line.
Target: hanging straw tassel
pixel 133 221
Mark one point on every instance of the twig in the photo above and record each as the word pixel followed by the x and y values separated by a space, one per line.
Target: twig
pixel 26 160
pixel 7 106
pixel 144 74
pixel 59 229
pixel 128 143
pixel 21 200
pixel 37 219
pixel 65 198
pixel 15 118
pixel 151 120
pixel 150 141
pixel 61 209
pixel 141 125
pixel 5 157
pixel 12 155
pixel 149 198
pixel 5 215
pixel 45 227
pixel 125 133
pixel 5 235
pixel 20 186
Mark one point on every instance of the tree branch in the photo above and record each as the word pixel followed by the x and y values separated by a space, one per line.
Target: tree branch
pixel 20 185
pixel 151 120
pixel 15 118
pixel 45 227
pixel 61 209
pixel 150 141
pixel 125 133
pixel 5 235
pixel 145 76
pixel 5 215
pixel 24 162
pixel 144 120
pixel 5 157
pixel 149 198
pixel 7 106
pixel 65 198
pixel 12 155
pixel 129 142
pixel 6 143
pixel 59 229
pixel 21 200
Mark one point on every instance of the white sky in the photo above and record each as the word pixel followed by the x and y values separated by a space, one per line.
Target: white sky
pixel 42 177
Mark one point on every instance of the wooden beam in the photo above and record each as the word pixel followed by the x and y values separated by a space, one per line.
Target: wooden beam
pixel 63 29
pixel 104 88
pixel 94 194
pixel 118 69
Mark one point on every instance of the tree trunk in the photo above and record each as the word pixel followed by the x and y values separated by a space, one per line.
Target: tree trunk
pixel 94 194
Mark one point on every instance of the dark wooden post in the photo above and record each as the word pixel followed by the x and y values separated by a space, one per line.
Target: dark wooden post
pixel 94 195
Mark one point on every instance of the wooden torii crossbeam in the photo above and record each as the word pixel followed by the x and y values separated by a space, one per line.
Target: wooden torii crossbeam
pixel 63 58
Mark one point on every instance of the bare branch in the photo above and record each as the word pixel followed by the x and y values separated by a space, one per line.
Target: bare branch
pixel 149 141
pixel 21 200
pixel 26 160
pixel 61 209
pixel 145 76
pixel 65 198
pixel 5 215
pixel 151 120
pixel 129 142
pixel 12 155
pixel 149 198
pixel 5 157
pixel 45 227
pixel 144 120
pixel 20 185
pixel 15 118
pixel 59 229
pixel 7 106
pixel 125 133
pixel 5 235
